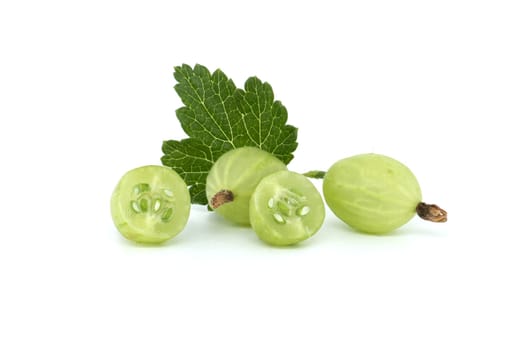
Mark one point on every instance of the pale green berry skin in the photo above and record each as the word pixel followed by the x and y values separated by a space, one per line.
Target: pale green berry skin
pixel 239 171
pixel 286 209
pixel 150 204
pixel 372 193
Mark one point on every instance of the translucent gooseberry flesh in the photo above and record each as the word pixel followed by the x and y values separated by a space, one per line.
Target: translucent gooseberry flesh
pixel 150 204
pixel 286 208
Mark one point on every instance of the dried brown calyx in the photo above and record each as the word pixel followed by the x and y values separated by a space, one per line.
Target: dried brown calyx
pixel 220 198
pixel 431 212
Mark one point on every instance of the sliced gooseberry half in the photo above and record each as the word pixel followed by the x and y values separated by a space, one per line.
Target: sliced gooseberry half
pixel 286 208
pixel 150 204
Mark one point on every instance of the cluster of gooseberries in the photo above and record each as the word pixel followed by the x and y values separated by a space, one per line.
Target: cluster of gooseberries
pixel 372 193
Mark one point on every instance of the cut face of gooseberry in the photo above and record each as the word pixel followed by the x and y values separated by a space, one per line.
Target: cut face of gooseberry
pixel 150 204
pixel 286 208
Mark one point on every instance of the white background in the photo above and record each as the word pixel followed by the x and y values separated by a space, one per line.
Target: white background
pixel 86 93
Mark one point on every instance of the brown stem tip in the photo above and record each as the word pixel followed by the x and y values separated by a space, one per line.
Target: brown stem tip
pixel 431 212
pixel 220 198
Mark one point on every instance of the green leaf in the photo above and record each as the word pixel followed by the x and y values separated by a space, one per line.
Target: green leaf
pixel 192 160
pixel 218 117
pixel 264 120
